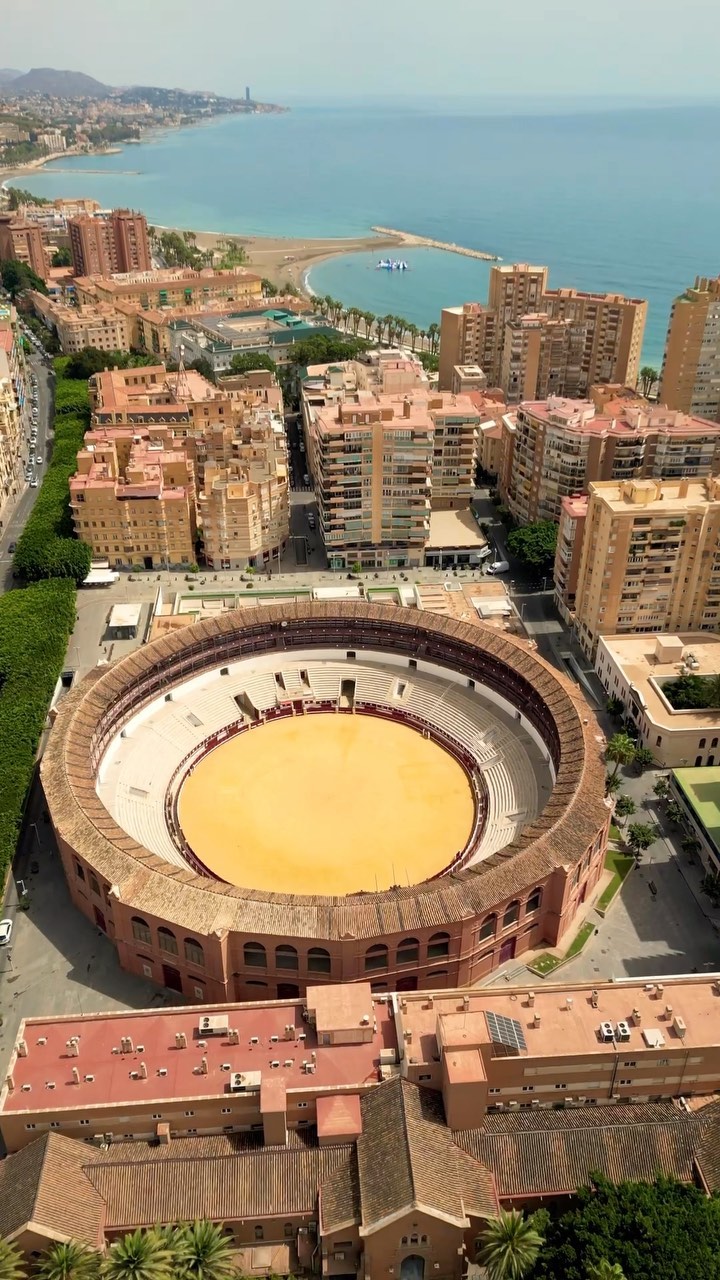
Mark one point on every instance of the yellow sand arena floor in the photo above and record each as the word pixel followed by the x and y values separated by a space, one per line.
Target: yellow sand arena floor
pixel 326 804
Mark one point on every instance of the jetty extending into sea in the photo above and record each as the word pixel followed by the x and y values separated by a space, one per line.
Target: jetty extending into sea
pixel 408 239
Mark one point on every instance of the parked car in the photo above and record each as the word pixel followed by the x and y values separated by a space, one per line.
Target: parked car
pixel 6 927
pixel 33 483
pixel 500 566
pixel 306 478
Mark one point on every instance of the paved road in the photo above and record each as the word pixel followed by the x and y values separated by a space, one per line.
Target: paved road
pixel 15 523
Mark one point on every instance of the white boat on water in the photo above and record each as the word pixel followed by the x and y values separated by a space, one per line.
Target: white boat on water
pixel 392 264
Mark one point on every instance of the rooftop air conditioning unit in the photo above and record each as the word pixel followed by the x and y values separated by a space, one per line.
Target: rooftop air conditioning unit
pixel 623 1031
pixel 607 1034
pixel 213 1024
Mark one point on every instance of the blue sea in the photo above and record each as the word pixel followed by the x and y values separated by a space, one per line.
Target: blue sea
pixel 625 199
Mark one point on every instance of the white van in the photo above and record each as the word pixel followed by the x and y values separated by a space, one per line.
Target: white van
pixel 499 566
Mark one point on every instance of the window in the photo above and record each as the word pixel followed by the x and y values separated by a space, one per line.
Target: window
pixel 301 1105
pixel 528 1088
pixel 630 1064
pixel 167 940
pixel 487 928
pixel 438 946
pixel 199 993
pixel 425 1077
pixel 533 902
pixel 93 882
pixel 194 952
pixel 79 871
pixel 258 1231
pixel 626 1081
pixel 318 960
pixel 701 743
pixel 512 912
pixel 408 951
pixel 286 957
pixel 561 1086
pixel 414 1239
pixel 493 1090
pixel 141 930
pixel 288 1230
pixel 255 957
pixel 376 957
pixel 189 1113
pixel 84 1122
pixel 225 1111
pixel 714 742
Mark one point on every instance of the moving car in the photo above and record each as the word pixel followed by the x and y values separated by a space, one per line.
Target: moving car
pixel 5 932
pixel 500 566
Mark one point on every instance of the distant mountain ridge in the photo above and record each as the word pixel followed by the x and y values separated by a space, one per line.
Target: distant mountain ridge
pixel 8 74
pixel 58 84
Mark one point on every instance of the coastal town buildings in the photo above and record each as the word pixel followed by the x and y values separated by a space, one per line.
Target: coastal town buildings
pixel 104 327
pixel 561 445
pixel 142 513
pixel 697 793
pixel 384 451
pixel 533 341
pixel 108 244
pixel 272 330
pixel 372 1134
pixel 243 506
pixel 22 241
pixel 170 287
pixel 650 559
pixel 634 669
pixel 690 377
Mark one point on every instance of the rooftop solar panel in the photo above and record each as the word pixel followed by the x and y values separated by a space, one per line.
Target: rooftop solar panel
pixel 505 1031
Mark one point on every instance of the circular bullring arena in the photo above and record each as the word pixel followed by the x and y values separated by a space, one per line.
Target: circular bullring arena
pixel 326 792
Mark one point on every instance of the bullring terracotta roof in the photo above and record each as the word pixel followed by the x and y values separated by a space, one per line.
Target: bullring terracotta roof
pixel 560 835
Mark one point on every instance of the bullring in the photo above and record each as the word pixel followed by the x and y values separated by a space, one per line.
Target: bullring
pixel 526 850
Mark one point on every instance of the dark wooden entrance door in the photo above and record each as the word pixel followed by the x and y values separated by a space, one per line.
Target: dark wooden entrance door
pixel 100 919
pixel 171 978
pixel 507 950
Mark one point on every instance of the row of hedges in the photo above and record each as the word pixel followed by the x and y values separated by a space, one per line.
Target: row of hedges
pixel 35 626
pixel 47 548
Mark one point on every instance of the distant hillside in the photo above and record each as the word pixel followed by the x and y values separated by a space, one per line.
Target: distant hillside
pixel 7 74
pixel 58 84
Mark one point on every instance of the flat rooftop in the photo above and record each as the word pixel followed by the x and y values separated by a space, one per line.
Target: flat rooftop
pixel 47 1069
pixel 564 1029
pixel 455 529
pixel 702 788
pixel 636 656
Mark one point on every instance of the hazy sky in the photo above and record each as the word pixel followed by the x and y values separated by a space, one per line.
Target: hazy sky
pixel 325 48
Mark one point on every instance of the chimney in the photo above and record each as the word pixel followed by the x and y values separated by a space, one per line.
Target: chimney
pixel 10 1082
pixel 203 1066
pixel 75 1075
pixel 536 1020
pixel 531 999
pixel 180 1040
pixel 22 1050
pixel 162 1133
pixel 636 1017
pixel 143 1071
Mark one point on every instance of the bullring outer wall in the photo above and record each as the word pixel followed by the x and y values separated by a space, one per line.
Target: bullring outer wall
pixel 208 937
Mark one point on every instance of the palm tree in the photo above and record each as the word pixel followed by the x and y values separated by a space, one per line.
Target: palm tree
pixel 401 326
pixel 620 749
pixel 434 336
pixel 648 378
pixel 12 1263
pixel 355 316
pixel 369 318
pixel 140 1255
pixel 413 331
pixel 509 1245
pixel 604 1270
pixel 208 1252
pixel 69 1260
pixel 423 336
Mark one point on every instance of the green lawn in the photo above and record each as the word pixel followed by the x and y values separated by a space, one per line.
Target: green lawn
pixel 615 832
pixel 545 963
pixel 620 864
pixel 580 939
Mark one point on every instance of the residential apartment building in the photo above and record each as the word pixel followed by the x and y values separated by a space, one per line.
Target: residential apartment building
pixel 170 287
pixel 562 445
pixel 355 1134
pixel 568 553
pixel 105 244
pixel 690 376
pixel 634 669
pixel 101 326
pixel 142 513
pixel 244 506
pixel 22 241
pixel 650 559
pixel 532 341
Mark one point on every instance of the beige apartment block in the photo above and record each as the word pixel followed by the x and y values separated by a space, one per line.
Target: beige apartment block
pixel 170 287
pixel 102 326
pixel 568 553
pixel 244 502
pixel 466 378
pixel 533 341
pixel 650 559
pixel 635 669
pixel 102 244
pixel 562 445
pixel 690 377
pixel 143 513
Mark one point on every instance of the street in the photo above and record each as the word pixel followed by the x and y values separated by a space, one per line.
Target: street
pixel 14 523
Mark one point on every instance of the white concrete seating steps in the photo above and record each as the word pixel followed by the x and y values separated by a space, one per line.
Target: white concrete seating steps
pixel 139 771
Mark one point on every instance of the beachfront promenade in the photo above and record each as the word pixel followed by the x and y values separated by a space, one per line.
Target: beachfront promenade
pixel 409 240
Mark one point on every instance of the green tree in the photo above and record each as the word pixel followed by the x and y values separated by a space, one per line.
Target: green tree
pixel 648 378
pixel 615 707
pixel 613 783
pixel 625 806
pixel 710 885
pixel 620 750
pixel 674 813
pixel 69 1260
pixel 640 835
pixel 661 788
pixel 12 1263
pixel 534 544
pixel 270 290
pixel 509 1245
pixel 644 759
pixel 139 1255
pixel 208 1252
pixel 654 1231
pixel 246 362
pixel 322 348
pixel 369 319
pixel 203 366
pixel 18 276
pixel 88 361
pixel 19 195
pixel 434 336
pixel 691 692
pixel 355 316
pixel 413 331
pixel 604 1270
pixel 690 845
pixel 62 258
